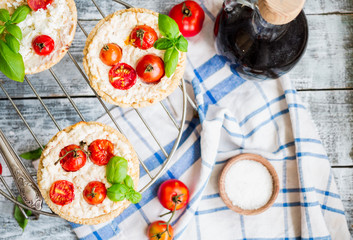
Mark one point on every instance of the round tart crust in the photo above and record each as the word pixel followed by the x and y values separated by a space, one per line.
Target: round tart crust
pixel 137 103
pixel 97 219
pixel 60 52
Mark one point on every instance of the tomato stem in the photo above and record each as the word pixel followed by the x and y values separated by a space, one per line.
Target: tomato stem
pixel 140 33
pixel 186 11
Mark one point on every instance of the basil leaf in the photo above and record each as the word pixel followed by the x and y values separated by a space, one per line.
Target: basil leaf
pixel 129 182
pixel 2 28
pixel 163 44
pixel 4 15
pixel 13 43
pixel 32 155
pixel 167 54
pixel 11 63
pixel 117 192
pixel 20 218
pixel 182 44
pixel 134 197
pixel 116 169
pixel 167 26
pixel 20 14
pixel 15 31
pixel 171 62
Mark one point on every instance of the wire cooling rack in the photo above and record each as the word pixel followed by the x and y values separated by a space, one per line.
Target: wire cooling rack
pixel 25 178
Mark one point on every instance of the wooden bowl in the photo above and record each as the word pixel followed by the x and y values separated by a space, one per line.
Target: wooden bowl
pixel 270 168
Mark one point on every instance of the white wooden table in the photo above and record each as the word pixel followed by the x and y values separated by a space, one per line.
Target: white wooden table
pixel 323 77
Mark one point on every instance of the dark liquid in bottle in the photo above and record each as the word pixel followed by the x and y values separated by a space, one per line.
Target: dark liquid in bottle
pixel 256 47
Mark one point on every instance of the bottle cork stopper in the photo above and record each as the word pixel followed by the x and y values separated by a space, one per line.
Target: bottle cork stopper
pixel 279 12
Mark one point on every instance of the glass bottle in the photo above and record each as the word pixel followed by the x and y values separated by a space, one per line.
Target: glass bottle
pixel 258 47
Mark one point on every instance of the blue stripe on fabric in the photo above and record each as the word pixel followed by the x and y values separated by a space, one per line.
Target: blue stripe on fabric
pixel 198 228
pixel 209 14
pixel 309 154
pixel 208 211
pixel 242 224
pixel 210 67
pixel 91 236
pixel 138 206
pixel 296 204
pixel 311 189
pixel 216 195
pixel 97 235
pixel 331 209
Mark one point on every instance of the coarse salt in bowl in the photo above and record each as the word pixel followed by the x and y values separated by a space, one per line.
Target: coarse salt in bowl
pixel 248 184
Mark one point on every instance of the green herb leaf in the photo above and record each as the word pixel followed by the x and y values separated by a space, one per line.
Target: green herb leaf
pixel 167 26
pixel 20 218
pixel 171 62
pixel 13 43
pixel 182 44
pixel 32 155
pixel 2 28
pixel 20 14
pixel 11 63
pixel 117 192
pixel 15 31
pixel 163 44
pixel 4 15
pixel 116 170
pixel 134 197
pixel 129 182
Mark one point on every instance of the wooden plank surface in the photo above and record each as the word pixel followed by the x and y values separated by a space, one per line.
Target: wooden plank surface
pixel 324 77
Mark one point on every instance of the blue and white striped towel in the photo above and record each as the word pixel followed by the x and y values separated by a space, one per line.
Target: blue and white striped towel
pixel 237 116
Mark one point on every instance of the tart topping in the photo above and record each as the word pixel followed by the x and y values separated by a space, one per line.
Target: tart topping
pixel 62 192
pixel 150 68
pixel 110 54
pixel 72 158
pixel 143 37
pixel 122 76
pixel 95 192
pixel 43 45
pixel 39 4
pixel 101 151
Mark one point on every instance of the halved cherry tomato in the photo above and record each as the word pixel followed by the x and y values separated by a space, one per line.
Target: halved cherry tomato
pixel 38 4
pixel 72 158
pixel 62 192
pixel 150 68
pixel 95 192
pixel 102 151
pixel 143 37
pixel 110 54
pixel 157 231
pixel 173 192
pixel 122 76
pixel 189 16
pixel 43 45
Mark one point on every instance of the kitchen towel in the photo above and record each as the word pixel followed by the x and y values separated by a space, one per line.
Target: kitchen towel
pixel 235 116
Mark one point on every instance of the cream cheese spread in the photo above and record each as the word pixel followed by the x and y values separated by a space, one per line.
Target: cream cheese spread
pixel 57 21
pixel 90 172
pixel 117 30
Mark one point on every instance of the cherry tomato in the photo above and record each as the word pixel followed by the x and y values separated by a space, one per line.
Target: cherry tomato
pixel 150 68
pixel 172 191
pixel 189 16
pixel 122 76
pixel 62 192
pixel 143 37
pixel 110 54
pixel 101 151
pixel 72 158
pixel 38 4
pixel 157 231
pixel 95 192
pixel 43 45
pixel 0 169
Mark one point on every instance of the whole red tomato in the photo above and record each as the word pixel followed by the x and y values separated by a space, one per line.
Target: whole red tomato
pixel 43 45
pixel 102 151
pixel 38 4
pixel 72 158
pixel 143 37
pixel 95 192
pixel 189 16
pixel 173 192
pixel 150 68
pixel 122 76
pixel 110 54
pixel 62 192
pixel 158 231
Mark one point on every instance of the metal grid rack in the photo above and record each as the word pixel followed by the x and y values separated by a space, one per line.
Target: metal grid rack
pixel 168 156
